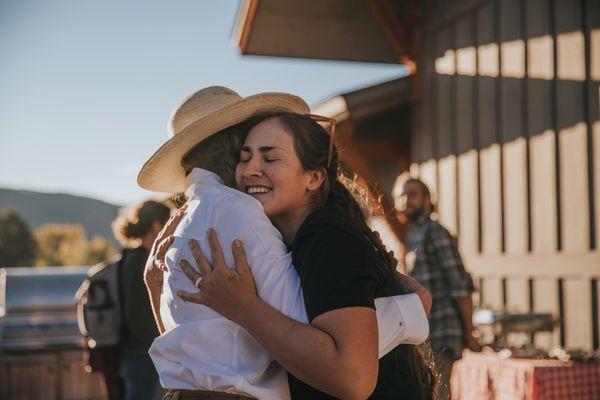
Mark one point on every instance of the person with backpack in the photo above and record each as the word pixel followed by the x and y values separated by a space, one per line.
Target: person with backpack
pixel 114 313
pixel 138 329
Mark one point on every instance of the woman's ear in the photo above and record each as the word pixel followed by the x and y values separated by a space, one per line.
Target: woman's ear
pixel 317 177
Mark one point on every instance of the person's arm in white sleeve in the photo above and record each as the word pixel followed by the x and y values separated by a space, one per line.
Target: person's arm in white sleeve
pixel 403 319
pixel 400 320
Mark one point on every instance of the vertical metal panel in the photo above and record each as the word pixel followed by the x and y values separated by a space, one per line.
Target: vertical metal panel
pixel 499 119
pixel 561 311
pixel 491 204
pixel 428 174
pixel 504 293
pixel 446 174
pixel 545 299
pixel 466 137
pixel 517 294
pixel 531 300
pixel 592 36
pixel 489 156
pixel 543 192
pixel 572 127
pixel 468 200
pixel 554 116
pixel 525 122
pixel 492 287
pixel 466 70
pixel 427 71
pixel 514 148
pixel 578 308
pixel 595 315
pixel 542 137
pixel 512 68
pixel 443 95
pixel 486 83
pixel 514 175
pixel 428 169
pixel 482 293
pixel 447 193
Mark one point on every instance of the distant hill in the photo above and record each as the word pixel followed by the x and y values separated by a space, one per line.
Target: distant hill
pixel 42 208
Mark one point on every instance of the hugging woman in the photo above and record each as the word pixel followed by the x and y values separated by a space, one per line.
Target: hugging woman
pixel 324 319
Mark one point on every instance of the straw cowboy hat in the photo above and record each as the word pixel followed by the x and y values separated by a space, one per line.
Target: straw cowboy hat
pixel 200 116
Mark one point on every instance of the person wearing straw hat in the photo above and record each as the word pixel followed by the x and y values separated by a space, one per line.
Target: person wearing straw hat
pixel 201 354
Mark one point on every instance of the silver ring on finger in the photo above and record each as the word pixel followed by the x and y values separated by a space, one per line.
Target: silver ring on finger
pixel 198 281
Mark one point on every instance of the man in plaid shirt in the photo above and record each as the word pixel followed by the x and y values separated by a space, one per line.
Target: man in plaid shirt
pixel 433 260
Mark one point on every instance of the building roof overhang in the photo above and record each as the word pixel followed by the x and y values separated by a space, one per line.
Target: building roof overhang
pixel 368 102
pixel 348 30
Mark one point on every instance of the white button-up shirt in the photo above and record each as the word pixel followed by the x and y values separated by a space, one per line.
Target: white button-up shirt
pixel 202 350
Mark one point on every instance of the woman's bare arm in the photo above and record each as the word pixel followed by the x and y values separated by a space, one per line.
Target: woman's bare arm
pixel 336 354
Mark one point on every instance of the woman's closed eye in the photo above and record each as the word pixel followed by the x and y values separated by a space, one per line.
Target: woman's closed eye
pixel 244 158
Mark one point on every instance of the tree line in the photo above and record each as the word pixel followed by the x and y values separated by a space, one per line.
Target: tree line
pixel 48 245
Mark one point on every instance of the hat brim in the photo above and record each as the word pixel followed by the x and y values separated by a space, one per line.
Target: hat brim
pixel 163 171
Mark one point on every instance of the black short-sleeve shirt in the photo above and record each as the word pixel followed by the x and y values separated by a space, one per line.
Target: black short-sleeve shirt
pixel 339 267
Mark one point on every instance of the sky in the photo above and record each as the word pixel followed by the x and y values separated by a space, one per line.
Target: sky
pixel 87 87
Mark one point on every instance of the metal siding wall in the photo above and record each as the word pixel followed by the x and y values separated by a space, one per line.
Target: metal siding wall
pixel 521 129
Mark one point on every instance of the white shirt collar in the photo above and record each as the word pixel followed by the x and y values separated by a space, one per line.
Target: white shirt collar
pixel 200 176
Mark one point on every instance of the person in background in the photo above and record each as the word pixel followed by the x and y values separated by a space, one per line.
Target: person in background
pixel 137 234
pixel 433 259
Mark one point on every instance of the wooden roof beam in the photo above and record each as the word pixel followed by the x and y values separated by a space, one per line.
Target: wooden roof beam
pixel 396 32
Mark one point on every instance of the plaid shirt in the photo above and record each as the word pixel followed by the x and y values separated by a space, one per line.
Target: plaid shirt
pixel 436 265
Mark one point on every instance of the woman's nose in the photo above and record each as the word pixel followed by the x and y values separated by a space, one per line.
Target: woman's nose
pixel 252 168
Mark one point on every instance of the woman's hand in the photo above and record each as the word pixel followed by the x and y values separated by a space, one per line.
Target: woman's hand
pixel 227 291
pixel 155 265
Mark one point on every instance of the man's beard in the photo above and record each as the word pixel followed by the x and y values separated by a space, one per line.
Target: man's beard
pixel 415 214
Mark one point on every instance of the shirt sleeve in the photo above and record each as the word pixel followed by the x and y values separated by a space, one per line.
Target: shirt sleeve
pixel 400 320
pixel 445 249
pixel 334 272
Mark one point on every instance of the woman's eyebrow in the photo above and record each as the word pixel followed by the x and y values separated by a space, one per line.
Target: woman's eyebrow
pixel 262 149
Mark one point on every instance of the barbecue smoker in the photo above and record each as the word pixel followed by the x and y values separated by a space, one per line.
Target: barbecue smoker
pixel 40 344
pixel 502 325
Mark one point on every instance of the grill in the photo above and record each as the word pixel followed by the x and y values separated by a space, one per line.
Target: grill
pixel 40 344
pixel 37 309
pixel 501 325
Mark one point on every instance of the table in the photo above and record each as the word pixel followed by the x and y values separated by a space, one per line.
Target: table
pixel 480 376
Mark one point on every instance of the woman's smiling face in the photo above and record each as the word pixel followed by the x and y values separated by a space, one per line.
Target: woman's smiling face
pixel 270 171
